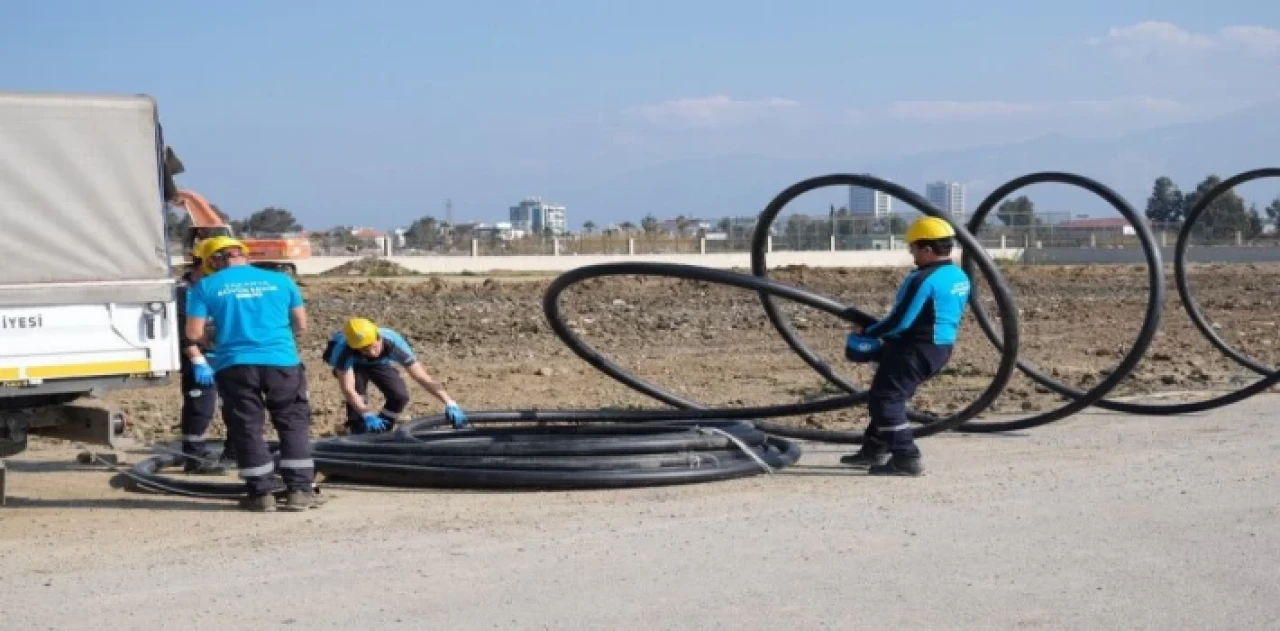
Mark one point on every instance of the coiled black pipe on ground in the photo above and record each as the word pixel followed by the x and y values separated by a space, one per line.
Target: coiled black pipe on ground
pixel 1150 324
pixel 412 457
pixel 1078 400
pixel 146 474
pixel 558 457
pixel 1271 376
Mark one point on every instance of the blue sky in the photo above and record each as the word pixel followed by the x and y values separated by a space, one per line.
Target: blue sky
pixel 373 113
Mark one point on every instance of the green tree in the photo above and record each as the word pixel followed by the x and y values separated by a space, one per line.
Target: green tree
pixel 796 227
pixel 423 233
pixel 271 220
pixel 1273 212
pixel 588 226
pixel 1166 204
pixel 1017 213
pixel 1225 215
pixel 649 224
pixel 682 224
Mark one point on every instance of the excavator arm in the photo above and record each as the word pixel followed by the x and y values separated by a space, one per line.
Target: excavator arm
pixel 205 222
pixel 199 209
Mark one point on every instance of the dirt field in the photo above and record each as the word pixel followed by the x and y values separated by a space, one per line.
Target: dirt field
pixel 487 339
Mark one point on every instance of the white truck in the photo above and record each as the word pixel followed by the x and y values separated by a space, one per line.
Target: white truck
pixel 87 292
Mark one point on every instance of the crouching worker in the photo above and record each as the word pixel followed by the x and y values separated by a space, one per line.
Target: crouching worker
pixel 362 353
pixel 912 344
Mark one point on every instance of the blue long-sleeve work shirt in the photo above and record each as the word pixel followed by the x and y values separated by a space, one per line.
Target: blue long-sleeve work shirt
pixel 928 306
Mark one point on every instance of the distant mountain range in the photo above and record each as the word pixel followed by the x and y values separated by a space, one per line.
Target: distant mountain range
pixel 742 185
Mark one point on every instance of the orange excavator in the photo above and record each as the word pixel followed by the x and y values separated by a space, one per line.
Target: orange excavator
pixel 277 254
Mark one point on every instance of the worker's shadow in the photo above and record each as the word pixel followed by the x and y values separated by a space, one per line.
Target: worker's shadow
pixel 837 470
pixel 127 503
pixel 49 466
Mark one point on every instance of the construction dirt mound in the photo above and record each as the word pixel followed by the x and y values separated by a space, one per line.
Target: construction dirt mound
pixel 370 266
pixel 490 344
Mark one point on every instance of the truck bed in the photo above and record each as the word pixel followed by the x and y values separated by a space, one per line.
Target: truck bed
pixel 86 287
pixel 81 201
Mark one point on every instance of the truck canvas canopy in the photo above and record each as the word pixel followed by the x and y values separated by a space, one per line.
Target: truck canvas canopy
pixel 81 191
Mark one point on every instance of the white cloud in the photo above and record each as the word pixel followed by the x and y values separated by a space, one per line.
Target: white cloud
pixel 946 110
pixel 712 112
pixel 1258 41
pixel 1164 39
pixel 954 110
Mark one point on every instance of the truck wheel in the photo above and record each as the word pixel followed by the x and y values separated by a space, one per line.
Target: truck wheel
pixel 13 440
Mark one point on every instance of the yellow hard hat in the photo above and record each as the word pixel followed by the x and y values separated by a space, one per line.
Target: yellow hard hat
pixel 928 229
pixel 213 245
pixel 360 333
pixel 198 257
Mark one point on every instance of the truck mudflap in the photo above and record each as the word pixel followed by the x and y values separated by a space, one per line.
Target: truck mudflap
pixel 81 424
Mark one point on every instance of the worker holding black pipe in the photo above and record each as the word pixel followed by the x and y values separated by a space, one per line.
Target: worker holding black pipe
pixel 911 344
pixel 199 394
pixel 258 371
pixel 363 353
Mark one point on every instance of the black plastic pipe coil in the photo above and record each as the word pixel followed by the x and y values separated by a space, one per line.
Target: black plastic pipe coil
pixel 694 443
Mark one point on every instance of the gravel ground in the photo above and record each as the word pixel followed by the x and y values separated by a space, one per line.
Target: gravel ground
pixel 1096 522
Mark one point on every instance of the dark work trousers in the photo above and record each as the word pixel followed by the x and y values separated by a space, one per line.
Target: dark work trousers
pixel 249 394
pixel 199 403
pixel 388 381
pixel 903 367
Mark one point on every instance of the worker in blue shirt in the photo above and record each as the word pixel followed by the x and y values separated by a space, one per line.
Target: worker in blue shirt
pixel 258 371
pixel 911 344
pixel 362 352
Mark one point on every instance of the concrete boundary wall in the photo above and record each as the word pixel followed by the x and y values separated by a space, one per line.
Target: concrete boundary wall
pixel 742 260
pixel 491 264
pixel 1103 256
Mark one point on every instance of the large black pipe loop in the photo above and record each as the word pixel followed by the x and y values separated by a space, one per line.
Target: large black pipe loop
pixel 930 424
pixel 1079 400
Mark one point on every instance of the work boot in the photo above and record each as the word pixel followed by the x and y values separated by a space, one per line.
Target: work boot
pixel 205 466
pixel 299 500
pixel 866 457
pixel 899 465
pixel 258 503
